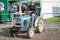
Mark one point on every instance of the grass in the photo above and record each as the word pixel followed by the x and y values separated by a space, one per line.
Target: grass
pixel 55 19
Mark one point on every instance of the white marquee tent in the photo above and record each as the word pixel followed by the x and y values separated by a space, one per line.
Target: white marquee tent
pixel 50 8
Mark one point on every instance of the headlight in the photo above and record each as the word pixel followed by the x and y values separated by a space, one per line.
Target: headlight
pixel 17 20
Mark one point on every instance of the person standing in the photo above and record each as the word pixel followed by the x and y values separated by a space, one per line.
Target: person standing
pixel 15 9
pixel 24 8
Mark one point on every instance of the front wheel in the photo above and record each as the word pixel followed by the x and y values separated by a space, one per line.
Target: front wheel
pixel 13 32
pixel 30 32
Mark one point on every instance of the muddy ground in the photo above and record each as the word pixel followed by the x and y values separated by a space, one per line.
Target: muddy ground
pixel 47 34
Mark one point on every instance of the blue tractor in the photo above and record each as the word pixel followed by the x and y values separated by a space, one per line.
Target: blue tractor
pixel 23 24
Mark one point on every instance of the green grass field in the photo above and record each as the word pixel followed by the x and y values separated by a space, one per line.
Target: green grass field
pixel 55 19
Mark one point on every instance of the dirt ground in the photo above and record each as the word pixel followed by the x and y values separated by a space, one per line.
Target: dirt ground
pixel 49 34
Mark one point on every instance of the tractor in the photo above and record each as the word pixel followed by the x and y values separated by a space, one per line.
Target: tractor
pixel 23 24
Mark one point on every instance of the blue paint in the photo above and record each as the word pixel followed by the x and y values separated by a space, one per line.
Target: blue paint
pixel 23 18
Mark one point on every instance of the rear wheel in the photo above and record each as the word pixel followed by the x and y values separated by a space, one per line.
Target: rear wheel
pixel 39 25
pixel 30 32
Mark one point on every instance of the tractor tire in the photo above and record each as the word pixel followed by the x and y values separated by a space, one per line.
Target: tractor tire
pixel 30 32
pixel 39 24
pixel 13 33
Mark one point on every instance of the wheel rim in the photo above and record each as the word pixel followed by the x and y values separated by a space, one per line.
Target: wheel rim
pixel 31 32
pixel 40 25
